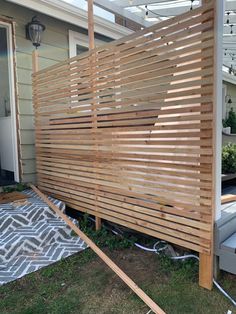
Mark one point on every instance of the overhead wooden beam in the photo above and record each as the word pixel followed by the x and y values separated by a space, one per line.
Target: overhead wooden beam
pixel 232 18
pixel 228 42
pixel 133 3
pixel 150 303
pixel 230 5
pixel 227 30
pixel 116 9
pixel 171 11
pixel 228 59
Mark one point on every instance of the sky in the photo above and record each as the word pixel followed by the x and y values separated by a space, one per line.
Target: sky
pixel 82 4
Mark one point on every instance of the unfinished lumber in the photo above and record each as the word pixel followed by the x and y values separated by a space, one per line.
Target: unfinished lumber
pixel 125 131
pixel 150 303
pixel 98 221
pixel 35 62
pixel 12 197
pixel 228 198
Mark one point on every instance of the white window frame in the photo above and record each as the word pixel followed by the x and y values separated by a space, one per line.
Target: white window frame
pixel 76 38
pixel 12 98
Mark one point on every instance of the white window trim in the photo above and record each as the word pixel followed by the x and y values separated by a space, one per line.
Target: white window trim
pixel 76 38
pixel 12 99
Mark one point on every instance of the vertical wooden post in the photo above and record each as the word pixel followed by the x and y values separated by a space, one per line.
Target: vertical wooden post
pixel 35 61
pixel 90 24
pixel 35 68
pixel 206 260
pixel 206 270
pixel 91 46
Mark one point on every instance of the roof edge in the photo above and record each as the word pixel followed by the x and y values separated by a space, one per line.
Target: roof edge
pixel 74 15
pixel 229 78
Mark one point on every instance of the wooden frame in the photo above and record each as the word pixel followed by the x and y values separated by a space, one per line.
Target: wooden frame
pixel 125 132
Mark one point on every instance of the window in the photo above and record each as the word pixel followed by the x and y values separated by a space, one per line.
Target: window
pixel 79 43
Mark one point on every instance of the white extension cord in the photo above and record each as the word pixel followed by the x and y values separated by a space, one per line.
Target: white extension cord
pixel 197 258
pixel 163 246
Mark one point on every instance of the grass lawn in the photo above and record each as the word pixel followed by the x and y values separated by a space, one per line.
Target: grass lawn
pixel 83 284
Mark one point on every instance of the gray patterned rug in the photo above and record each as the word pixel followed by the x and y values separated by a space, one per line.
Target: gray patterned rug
pixel 33 236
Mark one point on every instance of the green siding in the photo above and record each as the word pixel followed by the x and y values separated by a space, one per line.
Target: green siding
pixel 54 48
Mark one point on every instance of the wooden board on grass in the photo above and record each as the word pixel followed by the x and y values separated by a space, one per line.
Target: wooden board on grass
pixel 12 197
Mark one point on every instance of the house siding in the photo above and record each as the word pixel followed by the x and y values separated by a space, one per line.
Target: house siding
pixel 54 48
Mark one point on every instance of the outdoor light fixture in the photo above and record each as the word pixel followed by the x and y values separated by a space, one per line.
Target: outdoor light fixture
pixel 231 32
pixel 191 7
pixel 34 30
pixel 227 22
pixel 146 12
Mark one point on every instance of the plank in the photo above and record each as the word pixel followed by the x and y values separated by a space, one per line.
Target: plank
pixel 228 198
pixel 153 306
pixel 12 197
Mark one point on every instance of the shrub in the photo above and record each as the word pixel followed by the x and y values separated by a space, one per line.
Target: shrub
pixel 224 123
pixel 230 121
pixel 229 158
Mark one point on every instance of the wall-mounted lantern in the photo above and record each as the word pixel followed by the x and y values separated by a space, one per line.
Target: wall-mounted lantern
pixel 34 30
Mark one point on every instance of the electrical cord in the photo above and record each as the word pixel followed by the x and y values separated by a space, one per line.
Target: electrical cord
pixel 197 258
pixel 163 246
pixel 161 15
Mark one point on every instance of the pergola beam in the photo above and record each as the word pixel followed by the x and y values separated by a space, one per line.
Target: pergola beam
pixel 134 3
pixel 227 45
pixel 227 31
pixel 230 6
pixel 232 19
pixel 116 9
pixel 169 12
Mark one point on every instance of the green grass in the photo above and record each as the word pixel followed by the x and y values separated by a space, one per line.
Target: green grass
pixel 83 284
pixel 19 187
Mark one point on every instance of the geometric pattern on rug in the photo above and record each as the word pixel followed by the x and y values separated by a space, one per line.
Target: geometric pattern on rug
pixel 32 236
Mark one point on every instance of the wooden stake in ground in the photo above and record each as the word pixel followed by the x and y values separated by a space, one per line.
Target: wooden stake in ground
pixel 91 47
pixel 153 306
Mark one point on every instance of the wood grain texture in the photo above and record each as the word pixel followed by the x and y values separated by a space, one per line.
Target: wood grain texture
pixel 124 131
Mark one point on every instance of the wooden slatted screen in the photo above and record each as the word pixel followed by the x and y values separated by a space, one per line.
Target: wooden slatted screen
pixel 124 132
